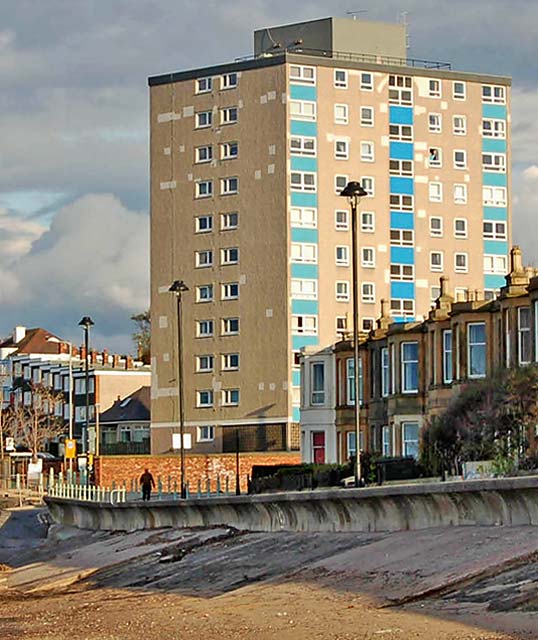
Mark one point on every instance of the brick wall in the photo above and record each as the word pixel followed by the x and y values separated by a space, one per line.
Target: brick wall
pixel 198 467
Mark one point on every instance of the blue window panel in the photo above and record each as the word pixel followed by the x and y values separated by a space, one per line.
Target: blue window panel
pixel 492 145
pixel 496 247
pixel 401 150
pixel 303 164
pixel 302 92
pixel 295 378
pixel 402 185
pixel 304 235
pixel 493 282
pixel 402 255
pixel 401 115
pixel 307 307
pixel 402 290
pixel 298 342
pixel 492 179
pixel 300 128
pixel 296 414
pixel 299 199
pixel 308 271
pixel 495 213
pixel 401 220
pixel 497 111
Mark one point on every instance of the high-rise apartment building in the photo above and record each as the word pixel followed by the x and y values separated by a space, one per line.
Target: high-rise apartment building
pixel 247 162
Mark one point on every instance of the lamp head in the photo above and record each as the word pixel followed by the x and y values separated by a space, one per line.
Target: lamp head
pixel 86 322
pixel 178 286
pixel 353 190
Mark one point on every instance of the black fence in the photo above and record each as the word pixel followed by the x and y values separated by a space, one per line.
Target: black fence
pixel 259 437
pixel 126 448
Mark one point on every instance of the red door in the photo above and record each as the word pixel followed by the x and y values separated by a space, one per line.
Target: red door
pixel 318 447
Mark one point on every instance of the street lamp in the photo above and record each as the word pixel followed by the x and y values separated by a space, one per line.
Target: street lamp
pixel 86 322
pixel 178 287
pixel 354 191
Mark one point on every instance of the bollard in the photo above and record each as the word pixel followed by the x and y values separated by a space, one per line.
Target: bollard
pixel 18 481
pixel 199 490
pixel 51 477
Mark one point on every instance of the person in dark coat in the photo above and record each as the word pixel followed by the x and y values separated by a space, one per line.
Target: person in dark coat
pixel 146 482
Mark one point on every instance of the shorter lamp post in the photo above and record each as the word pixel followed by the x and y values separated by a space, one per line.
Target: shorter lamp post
pixel 354 191
pixel 86 323
pixel 179 287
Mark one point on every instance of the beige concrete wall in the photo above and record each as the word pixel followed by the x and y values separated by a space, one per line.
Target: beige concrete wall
pixel 111 385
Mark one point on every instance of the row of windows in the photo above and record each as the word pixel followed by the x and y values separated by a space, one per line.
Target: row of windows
pixel 205 398
pixel 206 328
pixel 491 229
pixel 228 222
pixel 206 363
pixel 490 161
pixel 204 188
pixel 226 81
pixel 493 264
pixel 227 115
pixel 227 151
pixel 228 291
pixel 491 127
pixel 228 256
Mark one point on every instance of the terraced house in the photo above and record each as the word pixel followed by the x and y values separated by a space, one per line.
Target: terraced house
pixel 247 163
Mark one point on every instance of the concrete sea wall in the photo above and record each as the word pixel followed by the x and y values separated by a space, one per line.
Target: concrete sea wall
pixel 510 501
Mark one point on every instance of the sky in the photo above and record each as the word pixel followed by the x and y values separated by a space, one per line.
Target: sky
pixel 74 221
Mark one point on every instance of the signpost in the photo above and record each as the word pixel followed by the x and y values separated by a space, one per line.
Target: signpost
pixel 70 449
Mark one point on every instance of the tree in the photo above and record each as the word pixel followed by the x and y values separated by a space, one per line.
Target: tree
pixel 142 336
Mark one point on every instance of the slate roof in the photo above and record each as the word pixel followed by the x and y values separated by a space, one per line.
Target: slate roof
pixel 133 408
pixel 35 341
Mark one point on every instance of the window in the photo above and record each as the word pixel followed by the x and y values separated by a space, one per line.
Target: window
pixel 229 221
pixel 490 294
pixel 435 157
pixel 204 364
pixel 367 324
pixel 409 352
pixel 367 151
pixel 401 168
pixel 458 90
pixel 204 328
pixel 229 291
pixel 341 149
pixel 303 217
pixel 342 291
pixel 303 181
pixel 367 257
pixel 476 350
pixel 204 85
pixel 410 439
pixel 402 237
pixel 367 116
pixel 306 325
pixel 229 186
pixel 368 292
pixel 434 88
pixel 230 397
pixel 230 326
pixel 400 90
pixel 229 150
pixel 436 227
pixel 304 252
pixel 204 293
pixel 342 256
pixel 435 191
pixel 460 228
pixel 204 398
pixel 493 93
pixel 492 128
pixel 436 260
pixel 367 221
pixel 204 224
pixel 341 220
pixel 229 256
pixel 303 289
pixel 203 119
pixel 341 324
pixel 206 433
pixel 302 146
pixel 460 194
pixel 367 82
pixel 401 132
pixel 494 196
pixel 350 378
pixel 447 356
pixel 404 272
pixel 204 258
pixel 300 73
pixel 228 115
pixel 461 294
pixel 494 230
pixel 386 447
pixel 524 335
pixel 317 377
pixel 368 184
pixel 340 183
pixel 340 78
pixel 302 110
pixel 400 202
pixel 459 125
pixel 203 154
pixel 460 263
pixel 203 189
pixel 494 162
pixel 230 361
pixel 460 159
pixel 385 373
pixel 495 264
pixel 228 81
pixel 434 123
pixel 341 114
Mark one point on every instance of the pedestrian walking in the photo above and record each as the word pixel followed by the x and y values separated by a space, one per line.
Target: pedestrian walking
pixel 146 482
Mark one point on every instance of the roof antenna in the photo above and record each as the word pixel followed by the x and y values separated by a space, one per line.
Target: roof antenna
pixel 356 13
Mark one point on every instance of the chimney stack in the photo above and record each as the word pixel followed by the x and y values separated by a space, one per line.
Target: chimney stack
pixel 19 333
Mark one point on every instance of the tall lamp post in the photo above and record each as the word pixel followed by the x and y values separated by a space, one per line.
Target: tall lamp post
pixel 354 191
pixel 86 322
pixel 179 287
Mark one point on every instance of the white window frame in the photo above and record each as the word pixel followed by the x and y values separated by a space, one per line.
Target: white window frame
pixel 342 291
pixel 367 121
pixel 205 363
pixel 435 122
pixel 436 267
pixel 495 264
pixel 496 128
pixel 461 233
pixel 364 85
pixel 197 221
pixel 203 189
pixel 401 272
pixel 229 186
pixel 521 332
pixel 303 145
pixel 304 289
pixel 341 149
pixel 497 94
pixel 461 268
pixel 401 202
pixel 494 234
pixel 368 292
pixel 406 384
pixel 203 119
pixel 225 221
pixel 368 263
pixel 205 433
pixel 343 224
pixel 203 287
pixel 229 115
pixel 226 256
pixel 344 260
pixel 210 397
pixel 494 196
pixel 225 323
pixel 204 85
pixel 304 252
pixel 435 191
pixel 227 291
pixel 435 157
pixel 226 361
pixel 227 150
pixel 447 359
pixel 211 326
pixel 436 232
pixel 305 217
pixel 340 178
pixel 459 95
pixel 203 154
pixel 495 162
pixel 229 81
pixel 317 395
pixel 385 372
pixel 435 92
pixel 203 258
pixel 302 73
pixel 401 132
pixel 460 193
pixel 401 168
pixel 409 445
pixel 476 344
pixel 340 83
pixel 398 239
pixel 303 181
pixel 303 110
pixel 462 163
pixel 304 324
pixel 367 227
pixel 461 129
pixel 367 151
pixel 368 184
pixel 344 118
pixel 400 90
pixel 228 397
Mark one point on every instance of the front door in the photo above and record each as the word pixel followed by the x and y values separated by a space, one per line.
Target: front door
pixel 318 447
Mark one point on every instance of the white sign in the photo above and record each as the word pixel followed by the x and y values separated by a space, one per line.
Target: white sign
pixel 92 440
pixel 176 441
pixel 35 469
pixel 10 444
